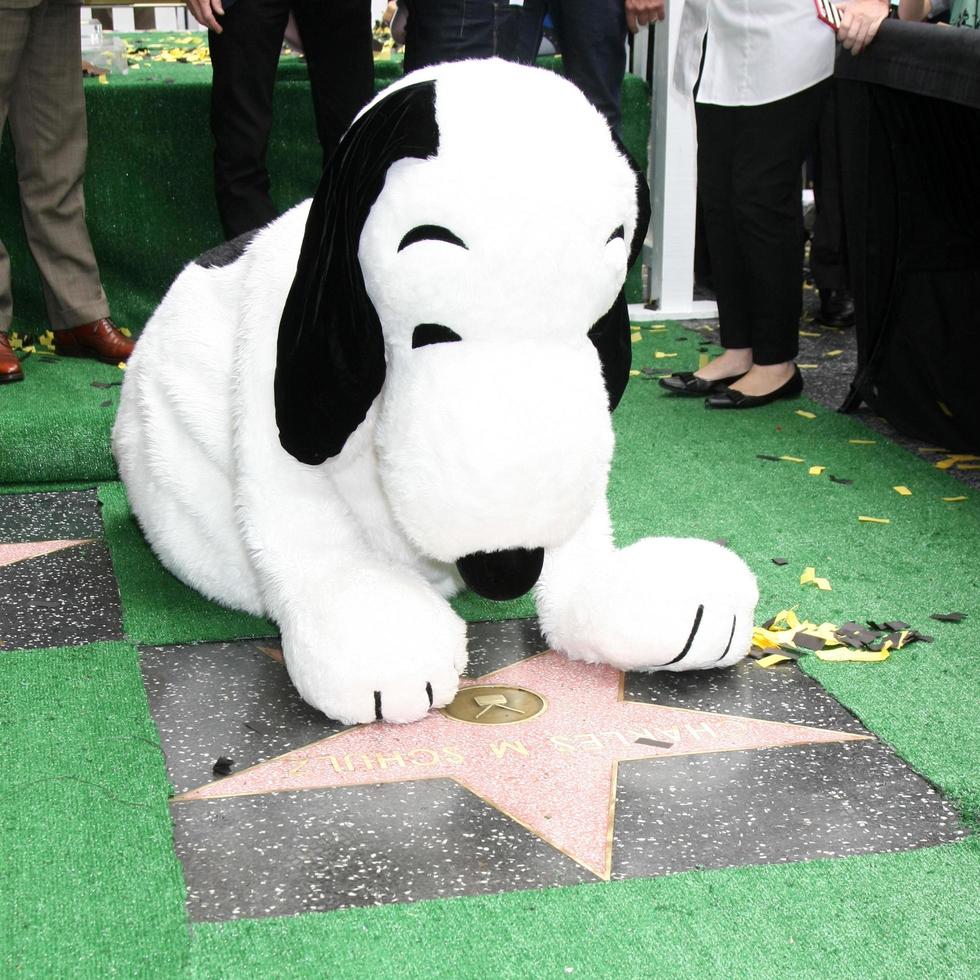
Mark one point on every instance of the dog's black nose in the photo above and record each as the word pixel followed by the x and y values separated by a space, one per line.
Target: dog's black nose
pixel 501 574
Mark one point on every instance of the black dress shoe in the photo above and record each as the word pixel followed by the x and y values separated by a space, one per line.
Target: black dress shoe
pixel 688 383
pixel 730 398
pixel 836 308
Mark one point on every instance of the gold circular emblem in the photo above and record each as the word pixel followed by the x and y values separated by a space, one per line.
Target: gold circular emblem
pixel 495 704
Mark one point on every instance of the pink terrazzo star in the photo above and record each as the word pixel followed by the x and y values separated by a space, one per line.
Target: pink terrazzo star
pixel 23 550
pixel 554 773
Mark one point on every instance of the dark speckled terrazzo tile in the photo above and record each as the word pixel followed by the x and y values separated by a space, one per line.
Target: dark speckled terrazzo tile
pixel 65 598
pixel 772 806
pixel 225 699
pixel 785 694
pixel 276 849
pixel 50 516
pixel 311 851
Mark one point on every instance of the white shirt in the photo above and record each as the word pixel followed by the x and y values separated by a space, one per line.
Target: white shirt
pixel 758 50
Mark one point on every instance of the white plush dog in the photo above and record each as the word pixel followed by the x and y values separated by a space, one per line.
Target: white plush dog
pixel 338 427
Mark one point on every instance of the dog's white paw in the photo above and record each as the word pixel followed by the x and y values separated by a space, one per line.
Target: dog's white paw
pixel 380 647
pixel 660 604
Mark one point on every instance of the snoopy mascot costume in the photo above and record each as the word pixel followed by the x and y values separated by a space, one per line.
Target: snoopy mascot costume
pixel 403 387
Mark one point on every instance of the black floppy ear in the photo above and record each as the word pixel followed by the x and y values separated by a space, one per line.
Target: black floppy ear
pixel 330 361
pixel 611 332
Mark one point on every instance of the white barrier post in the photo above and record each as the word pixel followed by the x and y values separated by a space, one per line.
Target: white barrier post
pixel 669 251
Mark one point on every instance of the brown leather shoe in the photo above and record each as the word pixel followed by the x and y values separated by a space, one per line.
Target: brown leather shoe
pixel 9 365
pixel 100 339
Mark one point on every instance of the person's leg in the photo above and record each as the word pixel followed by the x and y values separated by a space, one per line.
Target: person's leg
pixel 48 126
pixel 337 44
pixel 828 252
pixel 14 28
pixel 593 47
pixel 717 126
pixel 451 30
pixel 767 161
pixel 244 58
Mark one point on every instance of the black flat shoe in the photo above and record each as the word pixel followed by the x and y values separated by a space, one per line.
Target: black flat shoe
pixel 729 398
pixel 688 383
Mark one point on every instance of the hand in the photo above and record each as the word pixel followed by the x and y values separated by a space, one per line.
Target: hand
pixel 204 12
pixel 859 22
pixel 639 13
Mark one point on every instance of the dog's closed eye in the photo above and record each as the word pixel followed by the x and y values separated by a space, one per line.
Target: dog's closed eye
pixel 432 333
pixel 620 232
pixel 430 233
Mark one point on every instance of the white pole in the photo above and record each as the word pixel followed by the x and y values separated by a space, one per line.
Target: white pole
pixel 669 254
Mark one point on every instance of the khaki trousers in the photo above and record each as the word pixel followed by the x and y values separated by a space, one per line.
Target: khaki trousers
pixel 41 95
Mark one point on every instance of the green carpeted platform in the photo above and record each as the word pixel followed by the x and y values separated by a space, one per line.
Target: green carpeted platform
pixel 90 885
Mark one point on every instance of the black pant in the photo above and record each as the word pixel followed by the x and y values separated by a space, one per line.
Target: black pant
pixel 592 35
pixel 749 177
pixel 828 252
pixel 337 43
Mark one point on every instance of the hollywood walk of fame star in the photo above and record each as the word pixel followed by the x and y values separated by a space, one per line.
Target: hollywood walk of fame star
pixel 545 750
pixel 25 550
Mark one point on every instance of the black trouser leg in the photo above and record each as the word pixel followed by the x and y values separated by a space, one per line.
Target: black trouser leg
pixel 828 253
pixel 592 34
pixel 245 56
pixel 716 140
pixel 337 44
pixel 758 238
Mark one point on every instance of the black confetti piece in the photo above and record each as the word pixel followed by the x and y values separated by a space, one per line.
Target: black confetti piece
pixel 953 617
pixel 222 766
pixel 808 642
pixel 841 480
pixel 780 561
pixel 655 742
pixel 257 727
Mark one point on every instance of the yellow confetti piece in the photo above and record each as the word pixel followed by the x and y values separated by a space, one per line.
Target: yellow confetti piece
pixel 792 459
pixel 807 367
pixel 703 360
pixel 121 365
pixel 634 374
pixel 954 500
pixel 862 442
pixel 904 491
pixel 809 333
pixel 843 654
pixel 874 520
pixel 772 660
pixel 955 460
pixel 932 449
pixel 657 328
pixel 968 466
pixel 635 338
pixel 944 409
pixel 125 331
pixel 28 350
pixel 763 639
pixel 659 355
pixel 833 353
pixel 810 576
pixel 805 415
pixel 816 470
pixel 103 79
pixel 15 342
pixel 786 620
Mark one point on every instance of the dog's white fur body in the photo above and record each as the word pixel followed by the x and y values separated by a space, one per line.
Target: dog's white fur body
pixel 502 440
